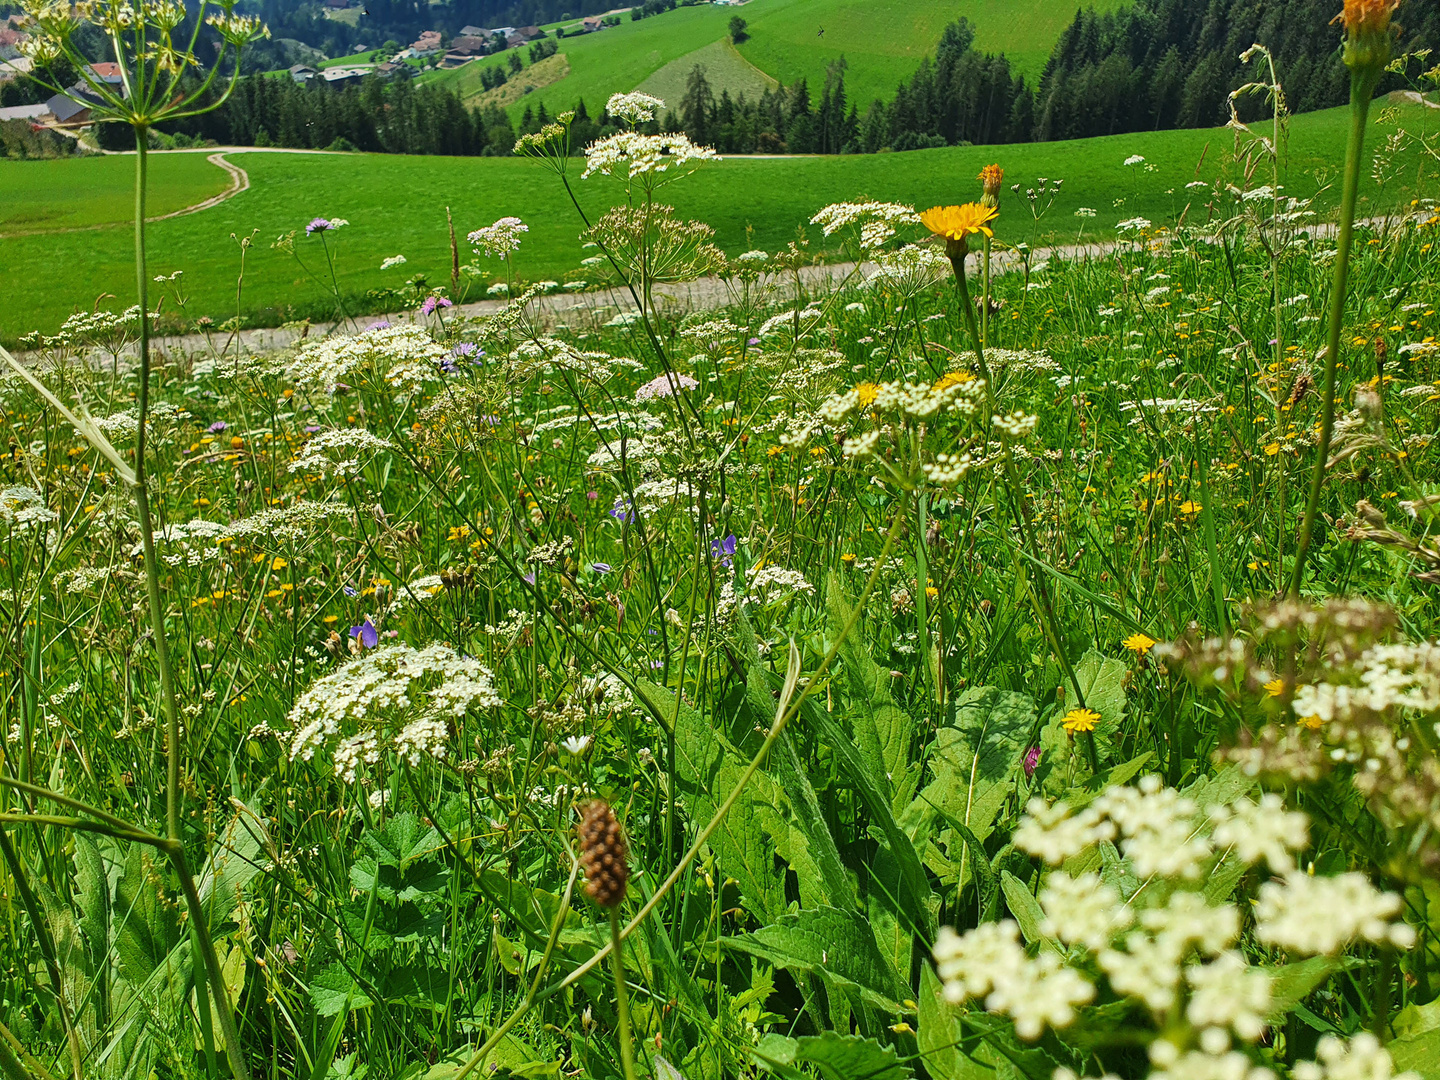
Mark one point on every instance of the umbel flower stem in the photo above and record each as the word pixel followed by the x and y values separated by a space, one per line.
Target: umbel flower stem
pixel 1363 80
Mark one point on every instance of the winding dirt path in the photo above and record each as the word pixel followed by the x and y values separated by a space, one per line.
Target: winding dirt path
pixel 239 182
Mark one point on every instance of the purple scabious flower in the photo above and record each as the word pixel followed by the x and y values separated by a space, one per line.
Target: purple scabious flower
pixel 383 324
pixel 366 633
pixel 433 302
pixel 469 350
pixel 446 364
pixel 319 224
pixel 217 427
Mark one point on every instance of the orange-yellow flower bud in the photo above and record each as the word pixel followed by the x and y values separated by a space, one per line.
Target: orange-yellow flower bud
pixel 1368 16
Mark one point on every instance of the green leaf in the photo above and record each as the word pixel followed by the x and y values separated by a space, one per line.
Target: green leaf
pixel 1102 682
pixel 1026 909
pixel 811 850
pixel 882 729
pixel 939 1037
pixel 910 891
pixel 839 946
pixel 974 760
pixel 850 1057
pixel 334 989
pixel 402 841
pixel 1419 1051
pixel 1292 983
pixel 708 768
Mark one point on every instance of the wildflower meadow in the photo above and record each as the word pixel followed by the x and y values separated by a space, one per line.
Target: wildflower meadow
pixel 996 663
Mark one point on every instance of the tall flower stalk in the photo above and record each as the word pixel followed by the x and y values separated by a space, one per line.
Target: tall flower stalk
pixel 152 89
pixel 1367 52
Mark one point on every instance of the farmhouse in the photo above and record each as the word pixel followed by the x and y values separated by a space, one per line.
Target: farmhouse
pixel 462 50
pixel 13 69
pixel 475 31
pixel 107 73
pixel 347 74
pixel 302 73
pixel 72 108
pixel 427 44
pixel 593 23
pixel 10 40
pixel 33 113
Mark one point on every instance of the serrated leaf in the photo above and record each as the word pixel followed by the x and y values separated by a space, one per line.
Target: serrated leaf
pixel 839 946
pixel 939 1037
pixel 1102 682
pixel 850 1057
pixel 910 892
pixel 334 989
pixel 1418 1053
pixel 1292 983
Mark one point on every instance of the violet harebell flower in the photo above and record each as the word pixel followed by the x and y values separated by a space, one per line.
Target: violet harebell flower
pixel 366 633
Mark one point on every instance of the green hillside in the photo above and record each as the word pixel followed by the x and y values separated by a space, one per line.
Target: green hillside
pixel 881 43
pixel 771 196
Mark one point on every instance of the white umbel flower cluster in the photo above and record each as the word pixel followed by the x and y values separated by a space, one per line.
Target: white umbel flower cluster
pixel 990 962
pixel 500 239
pixel 1403 676
pixel 630 154
pixel 634 107
pixel 1166 945
pixel 1321 915
pixel 338 452
pixel 406 356
pixel 877 220
pixel 1083 911
pixel 419 686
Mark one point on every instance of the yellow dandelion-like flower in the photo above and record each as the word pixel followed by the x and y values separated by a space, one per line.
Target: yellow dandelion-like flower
pixel 867 392
pixel 1080 720
pixel 1313 723
pixel 959 222
pixel 1190 508
pixel 952 378
pixel 1274 688
pixel 1139 644
pixel 1368 16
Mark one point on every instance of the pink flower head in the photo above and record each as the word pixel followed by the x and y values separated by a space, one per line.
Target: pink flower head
pixel 664 386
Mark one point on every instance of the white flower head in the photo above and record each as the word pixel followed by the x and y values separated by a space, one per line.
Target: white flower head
pixel 635 107
pixel 500 239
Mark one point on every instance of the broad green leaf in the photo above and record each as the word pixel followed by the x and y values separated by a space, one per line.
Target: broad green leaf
pixel 911 888
pixel 402 841
pixel 839 946
pixel 237 857
pixel 882 729
pixel 1223 786
pixel 708 768
pixel 850 1057
pixel 1026 909
pixel 812 852
pixel 1418 1052
pixel 939 1037
pixel 334 989
pixel 1102 681
pixel 974 761
pixel 1416 1020
pixel 1292 983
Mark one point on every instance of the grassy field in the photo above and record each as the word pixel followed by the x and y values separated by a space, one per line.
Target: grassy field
pixel 724 67
pixel 37 196
pixel 881 43
pixel 770 196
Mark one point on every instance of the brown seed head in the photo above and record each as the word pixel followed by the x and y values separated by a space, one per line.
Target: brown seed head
pixel 603 854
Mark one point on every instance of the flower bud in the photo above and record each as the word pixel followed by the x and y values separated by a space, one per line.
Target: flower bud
pixel 604 855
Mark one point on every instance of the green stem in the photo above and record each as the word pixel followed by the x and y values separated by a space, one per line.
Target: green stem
pixel 622 1004
pixel 142 507
pixel 1362 87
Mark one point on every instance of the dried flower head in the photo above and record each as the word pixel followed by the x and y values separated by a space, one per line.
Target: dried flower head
pixel 603 854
